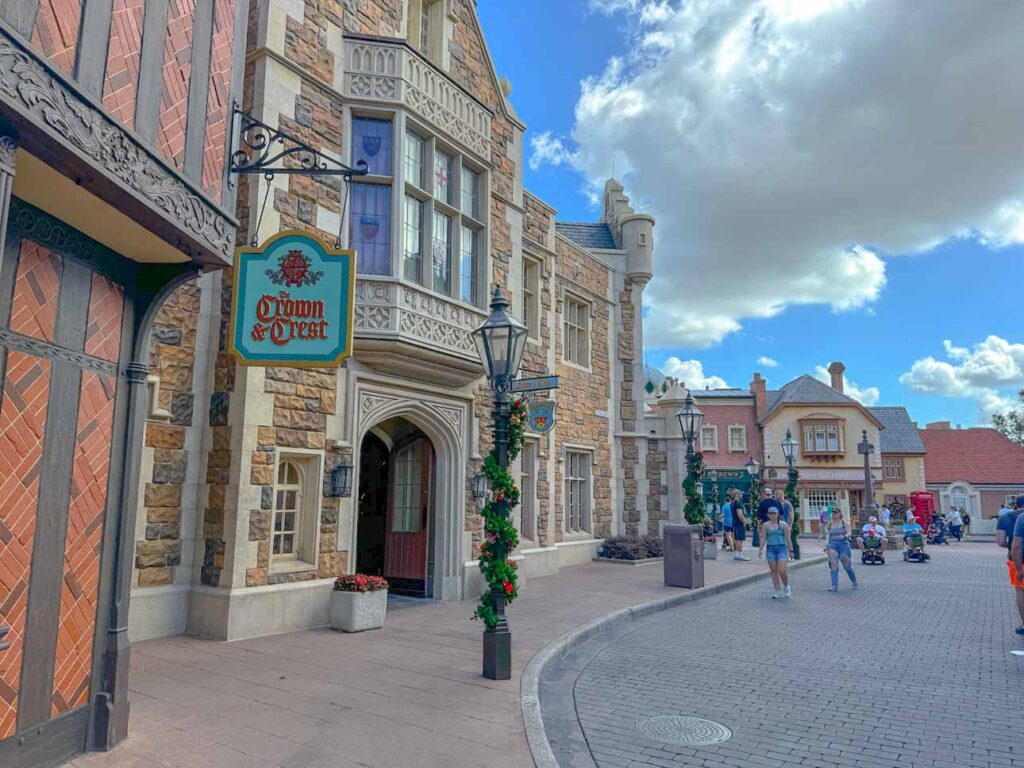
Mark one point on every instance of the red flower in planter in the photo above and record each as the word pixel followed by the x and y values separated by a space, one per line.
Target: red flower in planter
pixel 508 587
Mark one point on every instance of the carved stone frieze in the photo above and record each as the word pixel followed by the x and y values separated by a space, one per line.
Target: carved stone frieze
pixel 393 73
pixel 370 403
pixel 452 415
pixel 28 87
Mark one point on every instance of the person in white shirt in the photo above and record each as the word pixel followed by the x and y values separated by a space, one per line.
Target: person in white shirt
pixel 885 515
pixel 872 528
pixel 956 523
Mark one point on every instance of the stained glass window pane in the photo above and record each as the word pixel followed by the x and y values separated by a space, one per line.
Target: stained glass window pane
pixel 469 193
pixel 441 252
pixel 370 228
pixel 412 247
pixel 414 146
pixel 371 141
pixel 442 177
pixel 467 265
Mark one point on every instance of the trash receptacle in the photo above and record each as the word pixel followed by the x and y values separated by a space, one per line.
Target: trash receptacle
pixel 684 556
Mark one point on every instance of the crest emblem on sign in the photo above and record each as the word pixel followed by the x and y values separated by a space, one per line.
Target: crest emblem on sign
pixel 293 271
pixel 541 416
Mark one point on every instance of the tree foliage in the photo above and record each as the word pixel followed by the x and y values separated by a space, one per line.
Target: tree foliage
pixel 1011 423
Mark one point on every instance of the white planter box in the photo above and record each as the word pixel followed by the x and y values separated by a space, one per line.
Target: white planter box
pixel 358 611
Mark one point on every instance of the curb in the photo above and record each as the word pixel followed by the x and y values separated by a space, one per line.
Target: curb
pixel 536 735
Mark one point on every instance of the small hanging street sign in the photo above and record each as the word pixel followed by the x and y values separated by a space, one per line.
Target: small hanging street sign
pixel 541 416
pixel 292 303
pixel 533 385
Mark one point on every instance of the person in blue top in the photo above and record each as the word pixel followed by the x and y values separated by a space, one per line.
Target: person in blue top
pixel 727 524
pixel 1015 555
pixel 775 540
pixel 911 526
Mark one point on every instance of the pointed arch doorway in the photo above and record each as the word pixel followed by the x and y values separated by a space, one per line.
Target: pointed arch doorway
pixel 396 510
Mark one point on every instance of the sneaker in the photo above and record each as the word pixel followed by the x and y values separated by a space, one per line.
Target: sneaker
pixel 832 589
pixel 855 586
pixel 776 595
pixel 737 556
pixel 742 557
pixel 1020 630
pixel 789 591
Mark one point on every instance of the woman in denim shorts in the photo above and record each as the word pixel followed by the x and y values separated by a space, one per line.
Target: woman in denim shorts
pixel 837 547
pixel 775 540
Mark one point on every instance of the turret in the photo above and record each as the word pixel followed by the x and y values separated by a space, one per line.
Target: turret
pixel 638 243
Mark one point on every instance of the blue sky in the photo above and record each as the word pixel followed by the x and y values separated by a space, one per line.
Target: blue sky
pixel 913 274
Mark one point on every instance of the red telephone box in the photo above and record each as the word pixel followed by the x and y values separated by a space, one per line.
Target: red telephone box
pixel 923 504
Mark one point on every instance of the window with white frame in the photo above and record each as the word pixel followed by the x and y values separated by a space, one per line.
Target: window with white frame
pixel 709 437
pixel 577 491
pixel 294 530
pixel 737 437
pixel 445 240
pixel 818 500
pixel 823 437
pixel 577 331
pixel 892 468
pixel 531 296
pixel 528 491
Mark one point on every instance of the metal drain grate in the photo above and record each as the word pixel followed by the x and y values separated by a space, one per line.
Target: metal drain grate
pixel 693 731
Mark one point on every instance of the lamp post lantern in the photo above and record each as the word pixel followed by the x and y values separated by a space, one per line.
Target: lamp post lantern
pixel 789 446
pixel 500 342
pixel 691 419
pixel 866 449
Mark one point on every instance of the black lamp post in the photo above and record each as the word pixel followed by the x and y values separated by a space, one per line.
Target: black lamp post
pixel 789 446
pixel 754 470
pixel 691 419
pixel 500 342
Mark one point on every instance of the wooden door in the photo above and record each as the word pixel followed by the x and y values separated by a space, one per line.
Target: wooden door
pixel 408 522
pixel 60 343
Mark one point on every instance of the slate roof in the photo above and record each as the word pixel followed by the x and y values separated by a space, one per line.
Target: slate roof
pixel 806 389
pixel 977 455
pixel 703 394
pixel 587 235
pixel 900 435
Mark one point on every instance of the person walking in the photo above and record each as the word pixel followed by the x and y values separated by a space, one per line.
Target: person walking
pixel 739 527
pixel 727 523
pixel 837 547
pixel 768 501
pixel 1006 537
pixel 886 516
pixel 775 540
pixel 956 523
pixel 967 524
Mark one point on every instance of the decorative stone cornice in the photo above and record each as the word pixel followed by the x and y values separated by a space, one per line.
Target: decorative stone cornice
pixel 383 71
pixel 30 89
pixel 8 147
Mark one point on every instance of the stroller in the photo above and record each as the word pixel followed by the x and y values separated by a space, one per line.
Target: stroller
pixel 871 553
pixel 938 532
pixel 914 550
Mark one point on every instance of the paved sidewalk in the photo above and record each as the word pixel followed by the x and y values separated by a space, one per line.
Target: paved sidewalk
pixel 409 695
pixel 913 670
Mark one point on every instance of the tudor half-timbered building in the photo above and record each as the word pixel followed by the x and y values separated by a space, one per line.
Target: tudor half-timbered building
pixel 113 119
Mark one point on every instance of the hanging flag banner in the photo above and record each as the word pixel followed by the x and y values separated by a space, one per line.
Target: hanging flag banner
pixel 292 303
pixel 541 416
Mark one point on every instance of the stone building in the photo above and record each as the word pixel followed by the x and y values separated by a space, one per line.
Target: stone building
pixel 976 469
pixel 236 536
pixel 113 192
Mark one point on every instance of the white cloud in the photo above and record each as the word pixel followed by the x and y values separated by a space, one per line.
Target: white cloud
pixel 990 372
pixel 691 373
pixel 768 362
pixel 866 396
pixel 549 150
pixel 783 145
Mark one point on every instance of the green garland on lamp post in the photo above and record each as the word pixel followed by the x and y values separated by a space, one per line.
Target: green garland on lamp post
pixel 694 510
pixel 755 499
pixel 793 498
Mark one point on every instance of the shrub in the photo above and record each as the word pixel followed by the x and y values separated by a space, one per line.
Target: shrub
pixel 632 547
pixel 358 582
pixel 655 546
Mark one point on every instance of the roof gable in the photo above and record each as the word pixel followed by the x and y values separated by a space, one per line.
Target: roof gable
pixel 807 390
pixel 587 235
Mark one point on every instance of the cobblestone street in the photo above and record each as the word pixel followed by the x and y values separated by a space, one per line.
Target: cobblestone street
pixel 925 678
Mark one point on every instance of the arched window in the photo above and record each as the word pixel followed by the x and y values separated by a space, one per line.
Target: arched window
pixel 959 497
pixel 287 510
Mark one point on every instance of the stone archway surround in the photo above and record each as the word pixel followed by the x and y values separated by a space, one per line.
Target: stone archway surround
pixel 446 423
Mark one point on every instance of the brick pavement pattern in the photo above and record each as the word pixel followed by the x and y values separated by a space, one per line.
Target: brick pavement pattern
pixel 409 695
pixel 926 677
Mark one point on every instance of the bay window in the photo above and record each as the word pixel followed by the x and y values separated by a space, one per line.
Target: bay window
pixel 823 436
pixel 439 198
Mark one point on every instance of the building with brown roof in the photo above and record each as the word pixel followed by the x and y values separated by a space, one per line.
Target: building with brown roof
pixel 975 469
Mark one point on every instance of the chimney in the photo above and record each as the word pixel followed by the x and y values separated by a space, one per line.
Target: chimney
pixel 938 425
pixel 836 372
pixel 759 388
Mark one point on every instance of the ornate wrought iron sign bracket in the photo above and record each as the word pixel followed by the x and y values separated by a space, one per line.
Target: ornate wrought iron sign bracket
pixel 269 151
